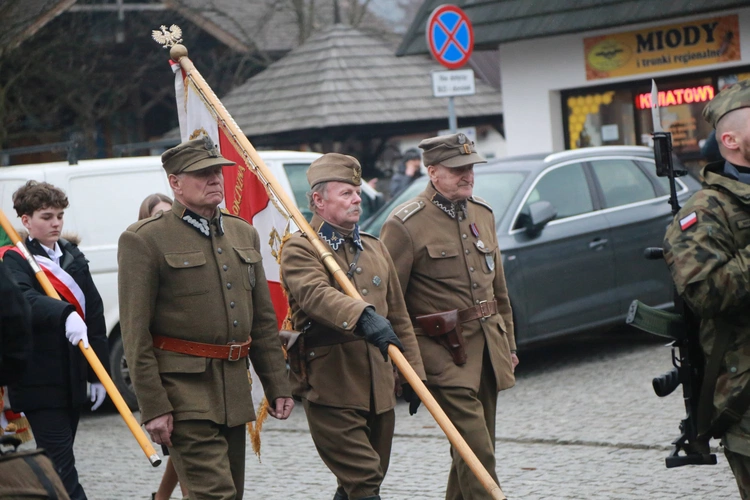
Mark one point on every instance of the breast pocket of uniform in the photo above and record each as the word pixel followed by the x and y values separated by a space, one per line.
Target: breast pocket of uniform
pixel 444 261
pixel 188 273
pixel 250 258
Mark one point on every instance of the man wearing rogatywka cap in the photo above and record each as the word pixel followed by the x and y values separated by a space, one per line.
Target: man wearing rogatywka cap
pixel 707 250
pixel 445 249
pixel 193 296
pixel 339 362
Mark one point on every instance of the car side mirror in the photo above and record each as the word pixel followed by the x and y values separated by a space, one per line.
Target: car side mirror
pixel 540 213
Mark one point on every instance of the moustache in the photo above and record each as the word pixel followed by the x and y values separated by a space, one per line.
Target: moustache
pixel 354 210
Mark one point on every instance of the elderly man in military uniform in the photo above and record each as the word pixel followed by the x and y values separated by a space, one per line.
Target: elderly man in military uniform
pixel 445 249
pixel 193 296
pixel 707 248
pixel 340 359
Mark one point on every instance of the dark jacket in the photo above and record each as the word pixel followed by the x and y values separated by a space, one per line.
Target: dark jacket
pixel 15 328
pixel 57 371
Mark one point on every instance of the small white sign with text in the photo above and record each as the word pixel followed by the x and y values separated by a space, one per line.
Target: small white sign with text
pixel 453 83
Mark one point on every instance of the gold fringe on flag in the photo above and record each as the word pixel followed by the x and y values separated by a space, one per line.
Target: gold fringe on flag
pixel 254 430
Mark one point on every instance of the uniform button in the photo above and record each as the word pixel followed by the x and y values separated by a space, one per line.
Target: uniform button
pixel 474 285
pixel 463 236
pixel 235 322
pixel 229 286
pixel 484 319
pixel 466 251
pixel 312 354
pixel 442 253
pixel 460 218
pixel 476 301
pixel 231 304
pixel 471 269
pixel 359 270
pixel 219 250
pixel 351 249
pixel 185 263
pixel 733 369
pixel 364 291
pixel 344 324
pixel 225 267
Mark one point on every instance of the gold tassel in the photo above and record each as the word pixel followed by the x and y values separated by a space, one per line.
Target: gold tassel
pixel 254 430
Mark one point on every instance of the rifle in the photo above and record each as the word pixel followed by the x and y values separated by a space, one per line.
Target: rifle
pixel 680 327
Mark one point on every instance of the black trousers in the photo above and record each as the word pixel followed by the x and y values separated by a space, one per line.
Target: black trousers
pixel 55 430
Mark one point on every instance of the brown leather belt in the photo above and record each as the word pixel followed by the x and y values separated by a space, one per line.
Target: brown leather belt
pixel 233 351
pixel 484 309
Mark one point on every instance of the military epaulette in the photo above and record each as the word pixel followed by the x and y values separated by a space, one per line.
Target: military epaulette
pixel 362 233
pixel 227 213
pixel 480 201
pixel 408 210
pixel 139 224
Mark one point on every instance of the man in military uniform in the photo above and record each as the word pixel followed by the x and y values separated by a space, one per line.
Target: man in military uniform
pixel 445 249
pixel 339 361
pixel 193 295
pixel 707 248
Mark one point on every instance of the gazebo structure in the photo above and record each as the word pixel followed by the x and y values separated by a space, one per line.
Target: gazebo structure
pixel 344 90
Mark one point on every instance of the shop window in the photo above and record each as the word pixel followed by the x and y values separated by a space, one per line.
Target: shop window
pixel 622 182
pixel 681 106
pixel 600 119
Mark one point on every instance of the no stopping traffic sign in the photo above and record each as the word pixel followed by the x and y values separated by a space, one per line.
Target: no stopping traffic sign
pixel 450 36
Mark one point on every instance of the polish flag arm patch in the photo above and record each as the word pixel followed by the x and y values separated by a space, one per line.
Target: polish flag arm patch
pixel 688 221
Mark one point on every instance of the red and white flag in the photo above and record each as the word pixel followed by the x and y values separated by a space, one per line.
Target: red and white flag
pixel 244 194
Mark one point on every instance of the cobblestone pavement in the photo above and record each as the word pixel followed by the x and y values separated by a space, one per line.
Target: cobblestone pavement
pixel 581 423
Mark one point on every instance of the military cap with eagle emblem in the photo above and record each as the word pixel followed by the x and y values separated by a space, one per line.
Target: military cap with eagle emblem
pixel 452 151
pixel 335 167
pixel 193 155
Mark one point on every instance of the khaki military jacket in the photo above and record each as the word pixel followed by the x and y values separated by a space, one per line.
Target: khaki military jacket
pixel 351 374
pixel 707 248
pixel 182 277
pixel 447 257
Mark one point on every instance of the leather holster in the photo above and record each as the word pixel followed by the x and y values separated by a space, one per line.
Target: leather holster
pixel 445 328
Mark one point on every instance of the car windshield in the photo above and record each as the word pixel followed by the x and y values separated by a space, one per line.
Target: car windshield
pixel 496 188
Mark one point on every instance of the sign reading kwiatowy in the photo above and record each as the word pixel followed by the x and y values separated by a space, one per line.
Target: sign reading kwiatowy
pixel 695 43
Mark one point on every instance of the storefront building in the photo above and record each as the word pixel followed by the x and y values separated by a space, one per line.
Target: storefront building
pixel 593 87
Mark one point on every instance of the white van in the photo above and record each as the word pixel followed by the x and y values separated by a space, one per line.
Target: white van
pixel 104 199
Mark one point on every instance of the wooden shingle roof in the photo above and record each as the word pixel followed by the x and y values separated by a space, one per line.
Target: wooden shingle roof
pixel 344 77
pixel 500 21
pixel 20 19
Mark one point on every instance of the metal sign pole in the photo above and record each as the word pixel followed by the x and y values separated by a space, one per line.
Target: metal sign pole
pixel 452 121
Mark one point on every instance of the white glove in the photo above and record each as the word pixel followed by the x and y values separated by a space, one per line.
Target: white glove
pixel 98 393
pixel 76 330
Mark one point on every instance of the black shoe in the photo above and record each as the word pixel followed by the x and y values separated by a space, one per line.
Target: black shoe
pixel 340 495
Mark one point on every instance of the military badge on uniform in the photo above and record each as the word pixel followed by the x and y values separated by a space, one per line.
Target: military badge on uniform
pixel 376 281
pixel 688 221
pixel 474 230
pixel 490 259
pixel 251 275
pixel 480 245
pixel 357 177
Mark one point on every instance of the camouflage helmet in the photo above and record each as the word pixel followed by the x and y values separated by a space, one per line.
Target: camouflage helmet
pixel 735 97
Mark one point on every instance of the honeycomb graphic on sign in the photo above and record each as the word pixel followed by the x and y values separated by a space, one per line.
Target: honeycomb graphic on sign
pixel 579 109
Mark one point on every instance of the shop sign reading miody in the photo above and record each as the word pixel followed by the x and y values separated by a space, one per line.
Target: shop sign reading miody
pixel 661 48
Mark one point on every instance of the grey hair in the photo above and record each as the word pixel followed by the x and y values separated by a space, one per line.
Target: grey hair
pixel 319 188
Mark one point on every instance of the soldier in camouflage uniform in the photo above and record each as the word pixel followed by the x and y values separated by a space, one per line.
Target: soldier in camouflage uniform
pixel 707 248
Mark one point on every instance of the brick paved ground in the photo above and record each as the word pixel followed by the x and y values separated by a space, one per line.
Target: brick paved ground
pixel 581 423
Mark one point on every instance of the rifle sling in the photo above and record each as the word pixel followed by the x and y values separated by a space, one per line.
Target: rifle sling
pixel 736 406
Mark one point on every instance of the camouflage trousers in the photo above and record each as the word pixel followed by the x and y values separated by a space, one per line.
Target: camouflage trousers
pixel 740 465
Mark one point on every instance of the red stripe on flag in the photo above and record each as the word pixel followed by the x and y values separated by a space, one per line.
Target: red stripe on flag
pixel 63 290
pixel 244 193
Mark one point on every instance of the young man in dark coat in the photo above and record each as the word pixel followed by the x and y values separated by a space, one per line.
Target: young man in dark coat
pixel 52 389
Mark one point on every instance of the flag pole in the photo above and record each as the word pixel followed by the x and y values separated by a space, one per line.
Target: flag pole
pixel 89 353
pixel 243 146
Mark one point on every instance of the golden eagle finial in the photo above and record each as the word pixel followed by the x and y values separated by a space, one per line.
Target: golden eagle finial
pixel 167 36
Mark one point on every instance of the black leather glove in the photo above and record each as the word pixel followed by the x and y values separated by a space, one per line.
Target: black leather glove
pixel 378 331
pixel 410 397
